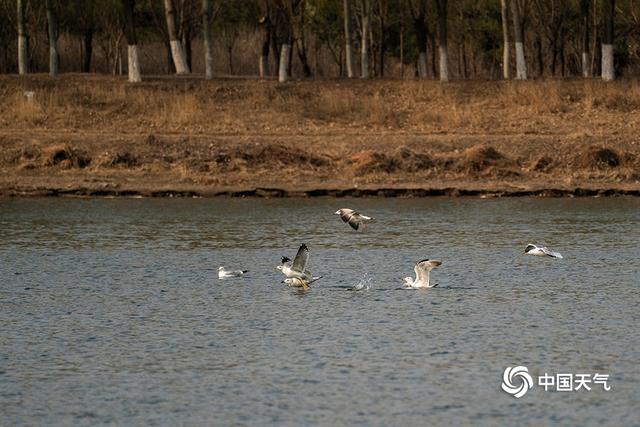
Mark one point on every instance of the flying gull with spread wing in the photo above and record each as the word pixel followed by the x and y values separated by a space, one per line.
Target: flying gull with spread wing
pixel 225 274
pixel 536 250
pixel 298 267
pixel 353 218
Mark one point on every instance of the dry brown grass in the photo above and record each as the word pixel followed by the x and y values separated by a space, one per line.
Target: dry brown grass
pixel 234 132
pixel 191 105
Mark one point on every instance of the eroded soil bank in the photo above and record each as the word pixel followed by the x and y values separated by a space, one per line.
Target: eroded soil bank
pixel 99 136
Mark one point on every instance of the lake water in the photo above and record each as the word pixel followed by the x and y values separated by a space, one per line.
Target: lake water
pixel 111 312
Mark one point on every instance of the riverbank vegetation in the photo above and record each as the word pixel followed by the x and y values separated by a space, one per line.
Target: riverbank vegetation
pixel 186 133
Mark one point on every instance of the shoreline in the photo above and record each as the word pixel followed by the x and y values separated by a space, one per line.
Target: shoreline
pixel 261 192
pixel 101 137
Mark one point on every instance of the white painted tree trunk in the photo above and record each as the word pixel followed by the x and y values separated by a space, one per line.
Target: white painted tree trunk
pixel 22 55
pixel 206 35
pixel 53 60
pixel 264 66
pixel 348 48
pixel 177 52
pixel 422 65
pixel 22 38
pixel 133 63
pixel 521 63
pixel 585 64
pixel 443 63
pixel 208 61
pixel 283 74
pixel 52 25
pixel 608 71
pixel 364 52
pixel 179 58
pixel 506 70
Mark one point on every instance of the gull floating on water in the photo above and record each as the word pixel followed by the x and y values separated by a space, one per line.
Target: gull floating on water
pixel 224 274
pixel 300 283
pixel 422 270
pixel 298 267
pixel 353 218
pixel 536 250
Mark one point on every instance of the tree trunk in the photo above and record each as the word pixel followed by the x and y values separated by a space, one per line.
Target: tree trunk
pixel 133 64
pixel 208 43
pixel 584 11
pixel 171 69
pixel 52 25
pixel 348 45
pixel 608 70
pixel 186 42
pixel 538 45
pixel 442 38
pixel 432 38
pixel 22 39
pixel 382 44
pixel 266 41
pixel 283 73
pixel 563 62
pixel 554 55
pixel 87 48
pixel 506 70
pixel 518 28
pixel 301 44
pixel 420 28
pixel 364 43
pixel 177 52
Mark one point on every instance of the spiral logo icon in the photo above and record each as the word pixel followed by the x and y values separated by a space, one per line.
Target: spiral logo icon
pixel 520 375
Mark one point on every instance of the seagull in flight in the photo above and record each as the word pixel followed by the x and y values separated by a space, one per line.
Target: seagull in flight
pixel 536 250
pixel 298 267
pixel 300 283
pixel 225 274
pixel 422 270
pixel 353 218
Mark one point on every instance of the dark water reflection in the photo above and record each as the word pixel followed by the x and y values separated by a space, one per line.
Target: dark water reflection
pixel 111 312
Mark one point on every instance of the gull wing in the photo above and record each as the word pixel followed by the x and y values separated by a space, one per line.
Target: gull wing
pixel 354 221
pixel 350 217
pixel 423 268
pixel 301 259
pixel 551 253
pixel 422 272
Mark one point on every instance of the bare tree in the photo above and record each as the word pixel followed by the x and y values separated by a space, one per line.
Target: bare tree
pixel 608 70
pixel 206 35
pixel 298 27
pixel 517 9
pixel 52 25
pixel 347 39
pixel 585 6
pixel 506 70
pixel 285 48
pixel 22 38
pixel 365 36
pixel 177 52
pixel 443 59
pixel 419 18
pixel 265 22
pixel 133 62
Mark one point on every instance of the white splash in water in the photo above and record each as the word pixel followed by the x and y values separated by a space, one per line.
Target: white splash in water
pixel 363 285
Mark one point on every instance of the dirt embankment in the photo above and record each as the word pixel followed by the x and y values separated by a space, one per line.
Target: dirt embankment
pixel 83 135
